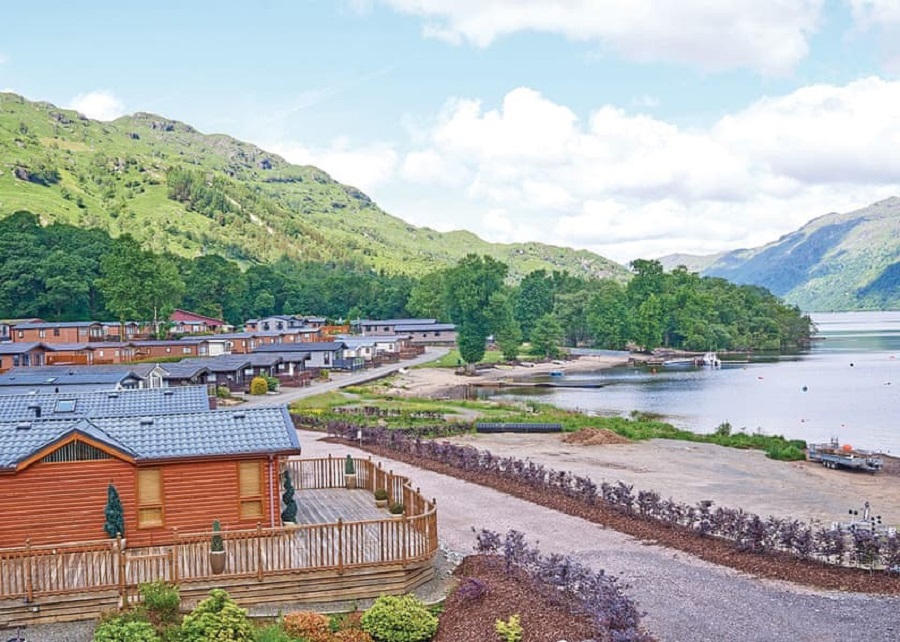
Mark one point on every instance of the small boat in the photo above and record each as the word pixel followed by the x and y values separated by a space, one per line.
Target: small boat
pixel 556 373
pixel 709 360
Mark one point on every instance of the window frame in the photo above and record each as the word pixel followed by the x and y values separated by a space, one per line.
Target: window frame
pixel 258 498
pixel 142 506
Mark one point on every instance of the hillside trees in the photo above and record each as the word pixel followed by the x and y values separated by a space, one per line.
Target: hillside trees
pixel 468 290
pixel 139 285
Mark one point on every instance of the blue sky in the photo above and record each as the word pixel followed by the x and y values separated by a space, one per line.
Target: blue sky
pixel 627 127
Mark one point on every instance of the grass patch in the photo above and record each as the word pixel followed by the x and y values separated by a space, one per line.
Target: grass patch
pixel 453 360
pixel 322 403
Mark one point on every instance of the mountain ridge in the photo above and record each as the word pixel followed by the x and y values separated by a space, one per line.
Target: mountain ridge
pixel 836 261
pixel 231 198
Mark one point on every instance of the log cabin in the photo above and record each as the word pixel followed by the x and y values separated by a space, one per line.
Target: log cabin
pixel 180 470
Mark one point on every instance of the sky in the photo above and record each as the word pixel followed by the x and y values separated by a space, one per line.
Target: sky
pixel 631 128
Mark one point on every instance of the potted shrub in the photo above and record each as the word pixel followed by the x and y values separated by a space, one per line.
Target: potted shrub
pixel 381 497
pixel 289 512
pixel 396 510
pixel 216 550
pixel 350 472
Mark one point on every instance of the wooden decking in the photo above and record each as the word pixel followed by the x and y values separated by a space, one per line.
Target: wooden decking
pixel 341 539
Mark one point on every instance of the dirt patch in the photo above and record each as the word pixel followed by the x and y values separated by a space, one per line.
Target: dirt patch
pixel 472 619
pixel 594 437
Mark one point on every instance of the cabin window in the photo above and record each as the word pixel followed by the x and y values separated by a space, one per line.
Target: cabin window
pixel 186 350
pixel 55 332
pixel 20 333
pixel 149 497
pixel 75 451
pixel 250 489
pixel 42 333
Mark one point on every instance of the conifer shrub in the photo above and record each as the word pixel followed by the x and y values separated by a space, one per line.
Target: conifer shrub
pixel 259 386
pixel 217 618
pixel 399 619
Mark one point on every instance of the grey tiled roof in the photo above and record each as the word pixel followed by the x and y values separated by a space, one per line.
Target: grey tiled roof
pixel 177 436
pixel 184 369
pixel 427 327
pixel 145 401
pixel 397 321
pixel 18 348
pixel 21 377
pixel 330 346
pixel 58 324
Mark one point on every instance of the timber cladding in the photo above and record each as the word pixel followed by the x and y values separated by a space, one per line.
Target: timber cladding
pixel 55 502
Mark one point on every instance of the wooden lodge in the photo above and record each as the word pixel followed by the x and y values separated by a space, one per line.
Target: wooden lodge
pixel 342 547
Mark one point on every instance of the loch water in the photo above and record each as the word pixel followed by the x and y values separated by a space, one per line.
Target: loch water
pixel 846 386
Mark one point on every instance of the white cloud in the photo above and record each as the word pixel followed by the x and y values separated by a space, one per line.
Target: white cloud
pixel 3 58
pixel 628 185
pixel 364 167
pixel 99 105
pixel 869 12
pixel 770 35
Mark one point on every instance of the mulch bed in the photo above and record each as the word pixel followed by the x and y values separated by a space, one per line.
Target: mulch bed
pixel 778 567
pixel 472 620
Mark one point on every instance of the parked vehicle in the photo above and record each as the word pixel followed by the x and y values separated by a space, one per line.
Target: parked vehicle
pixel 833 455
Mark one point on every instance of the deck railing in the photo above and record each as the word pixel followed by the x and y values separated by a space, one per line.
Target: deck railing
pixel 31 572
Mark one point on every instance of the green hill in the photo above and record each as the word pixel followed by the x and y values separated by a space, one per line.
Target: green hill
pixel 848 261
pixel 178 190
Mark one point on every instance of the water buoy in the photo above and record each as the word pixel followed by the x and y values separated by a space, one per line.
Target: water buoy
pixel 804 388
pixel 760 378
pixel 851 364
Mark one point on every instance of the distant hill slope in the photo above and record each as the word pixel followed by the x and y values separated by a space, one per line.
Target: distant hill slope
pixel 182 191
pixel 847 261
pixel 693 262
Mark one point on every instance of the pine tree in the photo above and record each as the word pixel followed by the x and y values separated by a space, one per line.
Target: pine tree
pixel 115 518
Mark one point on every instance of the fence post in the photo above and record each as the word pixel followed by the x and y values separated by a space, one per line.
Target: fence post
pixel 123 586
pixel 29 585
pixel 259 563
pixel 404 525
pixel 340 533
pixel 176 558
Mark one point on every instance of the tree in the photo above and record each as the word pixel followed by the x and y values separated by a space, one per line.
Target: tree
pixel 115 517
pixel 607 316
pixel 547 336
pixel 534 299
pixel 468 287
pixel 139 285
pixel 503 325
pixel 426 298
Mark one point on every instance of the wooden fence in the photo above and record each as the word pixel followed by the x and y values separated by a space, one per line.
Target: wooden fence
pixel 33 572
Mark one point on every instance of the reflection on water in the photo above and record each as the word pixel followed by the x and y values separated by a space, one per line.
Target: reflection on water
pixel 847 386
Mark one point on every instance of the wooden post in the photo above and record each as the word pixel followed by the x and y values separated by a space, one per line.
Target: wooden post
pixel 340 534
pixel 176 560
pixel 29 584
pixel 403 525
pixel 259 563
pixel 123 587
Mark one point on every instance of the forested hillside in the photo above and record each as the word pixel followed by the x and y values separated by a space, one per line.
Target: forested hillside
pixel 177 190
pixel 847 261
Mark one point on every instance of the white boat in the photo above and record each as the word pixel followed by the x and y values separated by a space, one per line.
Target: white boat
pixel 710 360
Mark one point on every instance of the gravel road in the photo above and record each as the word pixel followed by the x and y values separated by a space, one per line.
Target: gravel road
pixel 685 599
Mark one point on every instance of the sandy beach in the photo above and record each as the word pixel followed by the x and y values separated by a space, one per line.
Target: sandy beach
pixel 445 383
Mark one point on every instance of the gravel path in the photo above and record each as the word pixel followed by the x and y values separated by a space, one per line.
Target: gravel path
pixel 685 599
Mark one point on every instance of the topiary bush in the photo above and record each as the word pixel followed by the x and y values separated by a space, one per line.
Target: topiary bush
pixel 399 619
pixel 308 626
pixel 258 386
pixel 272 383
pixel 222 392
pixel 273 633
pixel 125 629
pixel 217 619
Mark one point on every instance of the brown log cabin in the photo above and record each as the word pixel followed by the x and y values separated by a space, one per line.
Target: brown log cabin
pixel 174 471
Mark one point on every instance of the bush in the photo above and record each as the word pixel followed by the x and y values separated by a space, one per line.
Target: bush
pixel 396 508
pixel 161 601
pixel 222 392
pixel 352 635
pixel 511 630
pixel 217 618
pixel 399 619
pixel 309 626
pixel 273 633
pixel 258 386
pixel 381 494
pixel 216 544
pixel 272 383
pixel 125 629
